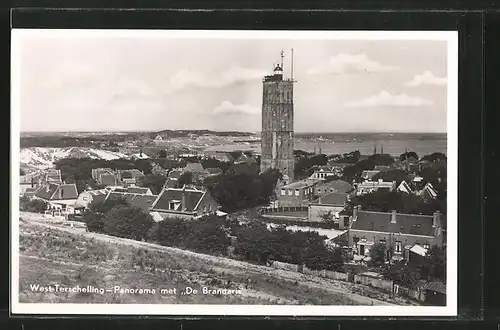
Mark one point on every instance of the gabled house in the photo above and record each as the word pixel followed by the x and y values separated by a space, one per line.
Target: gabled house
pixel 184 203
pixel 428 192
pixel 129 177
pixel 87 197
pixel 367 187
pixel 53 176
pixel 335 186
pixel 29 182
pixel 395 230
pixel 105 176
pixel 368 175
pixel 158 170
pixel 299 193
pixel 57 195
pixel 329 205
pixel 142 201
pixel 404 187
pixel 323 172
pixel 194 168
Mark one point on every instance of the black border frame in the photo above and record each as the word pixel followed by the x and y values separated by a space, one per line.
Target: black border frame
pixel 470 27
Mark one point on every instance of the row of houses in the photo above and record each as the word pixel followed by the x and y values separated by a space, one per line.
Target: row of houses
pixel 187 202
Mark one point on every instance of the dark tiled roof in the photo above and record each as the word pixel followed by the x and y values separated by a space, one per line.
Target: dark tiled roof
pixel 52 191
pixel 333 199
pixel 194 167
pixel 167 195
pixel 413 224
pixel 143 202
pixel 46 191
pixel 436 287
pixel 338 185
pixel 108 180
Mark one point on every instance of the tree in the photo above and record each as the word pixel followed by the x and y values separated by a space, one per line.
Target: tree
pixel 381 159
pixel 393 175
pixel 254 242
pixel 408 154
pixel 318 257
pixel 434 264
pixel 326 216
pixel 185 179
pixel 104 206
pixel 171 232
pixel 155 182
pixel 32 205
pixel 354 172
pixel 207 237
pixel 94 221
pixel 128 222
pixel 377 254
pixel 436 157
pixel 402 274
pixel 21 172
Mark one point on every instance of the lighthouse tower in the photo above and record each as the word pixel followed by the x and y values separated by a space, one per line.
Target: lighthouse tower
pixel 277 122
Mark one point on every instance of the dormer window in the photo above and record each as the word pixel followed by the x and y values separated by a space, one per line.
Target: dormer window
pixel 174 205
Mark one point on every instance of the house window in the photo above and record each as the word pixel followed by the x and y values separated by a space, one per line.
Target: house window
pixel 297 193
pixel 290 192
pixel 398 247
pixel 282 192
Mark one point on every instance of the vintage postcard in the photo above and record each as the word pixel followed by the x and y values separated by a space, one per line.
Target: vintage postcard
pixel 301 173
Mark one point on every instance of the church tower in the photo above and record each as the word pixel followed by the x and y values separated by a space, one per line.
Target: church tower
pixel 277 122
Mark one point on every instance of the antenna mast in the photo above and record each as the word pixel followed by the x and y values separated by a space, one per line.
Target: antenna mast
pixel 292 65
pixel 282 56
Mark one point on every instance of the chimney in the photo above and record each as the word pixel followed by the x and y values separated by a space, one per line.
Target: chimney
pixel 393 216
pixel 60 192
pixel 436 219
pixel 319 200
pixel 183 202
pixel 355 212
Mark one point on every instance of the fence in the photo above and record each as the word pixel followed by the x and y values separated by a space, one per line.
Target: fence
pixel 285 266
pixel 284 209
pixel 386 285
pixel 380 283
pixel 327 273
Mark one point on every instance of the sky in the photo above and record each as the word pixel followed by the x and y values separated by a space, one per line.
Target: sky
pixel 135 83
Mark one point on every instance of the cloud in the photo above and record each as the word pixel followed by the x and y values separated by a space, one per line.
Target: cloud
pixel 344 63
pixel 426 78
pixel 231 76
pixel 387 99
pixel 228 108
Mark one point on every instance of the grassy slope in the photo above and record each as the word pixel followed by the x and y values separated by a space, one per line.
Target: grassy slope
pixel 50 256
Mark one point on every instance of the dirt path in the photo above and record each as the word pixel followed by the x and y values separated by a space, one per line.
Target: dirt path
pixel 223 265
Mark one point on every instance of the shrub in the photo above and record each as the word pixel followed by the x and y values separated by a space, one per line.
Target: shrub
pixel 128 222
